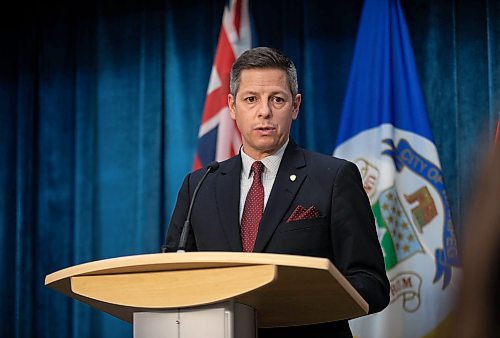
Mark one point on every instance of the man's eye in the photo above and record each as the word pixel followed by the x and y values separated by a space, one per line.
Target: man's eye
pixel 250 99
pixel 277 99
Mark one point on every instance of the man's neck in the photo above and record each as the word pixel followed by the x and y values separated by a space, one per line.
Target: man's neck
pixel 260 156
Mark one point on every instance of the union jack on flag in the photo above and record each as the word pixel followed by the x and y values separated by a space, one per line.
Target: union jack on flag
pixel 219 138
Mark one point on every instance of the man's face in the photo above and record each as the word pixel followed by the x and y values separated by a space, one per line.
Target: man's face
pixel 263 110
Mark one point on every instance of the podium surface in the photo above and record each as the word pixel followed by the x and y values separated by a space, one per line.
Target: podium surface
pixel 285 290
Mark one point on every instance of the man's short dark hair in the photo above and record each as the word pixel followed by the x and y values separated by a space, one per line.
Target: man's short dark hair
pixel 263 57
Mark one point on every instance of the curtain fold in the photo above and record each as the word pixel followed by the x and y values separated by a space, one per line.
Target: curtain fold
pixel 101 101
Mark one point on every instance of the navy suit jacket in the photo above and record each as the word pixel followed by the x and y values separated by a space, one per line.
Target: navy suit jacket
pixel 345 232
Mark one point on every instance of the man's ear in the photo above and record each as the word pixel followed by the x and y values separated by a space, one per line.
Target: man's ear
pixel 231 103
pixel 296 105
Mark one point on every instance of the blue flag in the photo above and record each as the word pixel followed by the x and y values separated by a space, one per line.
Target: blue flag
pixel 385 130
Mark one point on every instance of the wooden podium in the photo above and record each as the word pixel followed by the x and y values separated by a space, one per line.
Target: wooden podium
pixel 269 290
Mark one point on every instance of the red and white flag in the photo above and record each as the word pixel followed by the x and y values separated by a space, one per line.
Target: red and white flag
pixel 218 137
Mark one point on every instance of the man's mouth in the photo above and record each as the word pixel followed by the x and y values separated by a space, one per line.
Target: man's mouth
pixel 265 128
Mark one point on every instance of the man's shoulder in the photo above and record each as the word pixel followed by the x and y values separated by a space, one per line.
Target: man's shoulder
pixel 224 166
pixel 315 158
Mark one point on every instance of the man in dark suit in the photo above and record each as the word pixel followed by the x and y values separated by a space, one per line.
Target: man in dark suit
pixel 275 197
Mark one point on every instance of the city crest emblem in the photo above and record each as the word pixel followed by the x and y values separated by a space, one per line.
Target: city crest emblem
pixel 405 186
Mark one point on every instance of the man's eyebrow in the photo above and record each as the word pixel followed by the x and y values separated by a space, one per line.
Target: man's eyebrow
pixel 249 92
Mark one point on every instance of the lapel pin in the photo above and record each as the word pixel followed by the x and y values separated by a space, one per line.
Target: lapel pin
pixel 293 177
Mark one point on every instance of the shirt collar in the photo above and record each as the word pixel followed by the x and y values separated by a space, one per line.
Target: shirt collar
pixel 271 162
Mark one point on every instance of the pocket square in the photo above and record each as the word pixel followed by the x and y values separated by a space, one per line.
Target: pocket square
pixel 302 213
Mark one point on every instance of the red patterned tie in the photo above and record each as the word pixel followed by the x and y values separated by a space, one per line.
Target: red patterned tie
pixel 254 207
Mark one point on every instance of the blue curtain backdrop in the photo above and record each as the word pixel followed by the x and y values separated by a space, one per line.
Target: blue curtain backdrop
pixel 100 104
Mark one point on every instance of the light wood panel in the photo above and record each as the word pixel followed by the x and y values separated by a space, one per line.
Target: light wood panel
pixel 171 289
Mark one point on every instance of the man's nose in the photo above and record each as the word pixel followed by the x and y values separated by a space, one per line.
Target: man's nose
pixel 265 109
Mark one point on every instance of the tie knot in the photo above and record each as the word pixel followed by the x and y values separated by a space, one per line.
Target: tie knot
pixel 257 168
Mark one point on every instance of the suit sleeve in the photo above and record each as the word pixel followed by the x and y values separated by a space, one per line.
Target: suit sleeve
pixel 178 218
pixel 357 252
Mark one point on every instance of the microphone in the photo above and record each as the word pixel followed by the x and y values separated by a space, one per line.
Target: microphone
pixel 212 167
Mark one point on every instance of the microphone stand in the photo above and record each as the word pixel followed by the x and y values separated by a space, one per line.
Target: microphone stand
pixel 212 167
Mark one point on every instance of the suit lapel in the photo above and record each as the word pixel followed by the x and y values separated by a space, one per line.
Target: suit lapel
pixel 284 190
pixel 228 201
